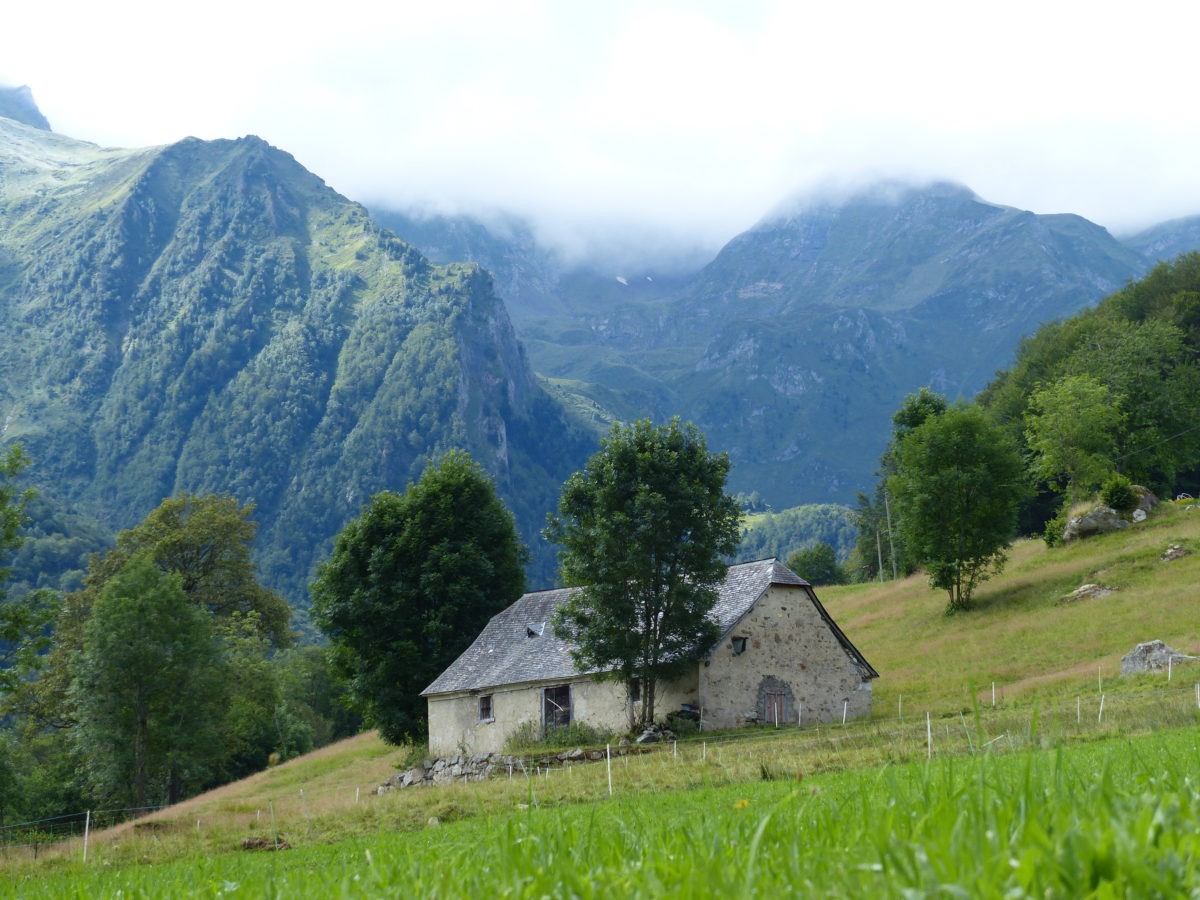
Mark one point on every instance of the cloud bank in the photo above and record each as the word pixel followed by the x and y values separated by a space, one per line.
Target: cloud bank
pixel 667 121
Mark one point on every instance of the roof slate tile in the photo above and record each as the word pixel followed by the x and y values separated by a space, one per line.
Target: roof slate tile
pixel 511 651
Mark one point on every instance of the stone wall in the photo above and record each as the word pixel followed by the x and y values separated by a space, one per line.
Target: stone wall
pixel 455 726
pixel 480 766
pixel 792 658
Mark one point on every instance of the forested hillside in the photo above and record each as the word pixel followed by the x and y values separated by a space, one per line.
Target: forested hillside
pixel 209 316
pixel 1139 350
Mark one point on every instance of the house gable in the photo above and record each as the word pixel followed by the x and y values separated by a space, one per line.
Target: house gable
pixel 783 662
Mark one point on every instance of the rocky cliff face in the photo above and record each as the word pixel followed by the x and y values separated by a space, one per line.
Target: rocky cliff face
pixel 17 103
pixel 210 316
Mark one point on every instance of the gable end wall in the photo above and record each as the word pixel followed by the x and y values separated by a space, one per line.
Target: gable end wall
pixel 791 653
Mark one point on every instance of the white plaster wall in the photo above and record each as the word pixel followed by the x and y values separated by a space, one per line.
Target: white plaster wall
pixel 454 725
pixel 788 640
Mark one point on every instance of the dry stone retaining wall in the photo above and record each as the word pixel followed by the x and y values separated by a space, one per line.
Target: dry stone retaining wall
pixel 480 766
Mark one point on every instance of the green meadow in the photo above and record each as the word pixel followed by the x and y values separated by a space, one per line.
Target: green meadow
pixel 1076 782
pixel 1112 818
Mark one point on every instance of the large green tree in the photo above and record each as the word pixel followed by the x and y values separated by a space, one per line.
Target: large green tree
pixel 817 564
pixel 148 693
pixel 958 483
pixel 879 549
pixel 645 527
pixel 205 539
pixel 410 583
pixel 1071 428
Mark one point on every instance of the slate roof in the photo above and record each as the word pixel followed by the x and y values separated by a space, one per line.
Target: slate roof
pixel 518 645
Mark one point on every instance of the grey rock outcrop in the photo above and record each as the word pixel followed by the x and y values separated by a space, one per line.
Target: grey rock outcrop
pixel 1146 500
pixel 1151 656
pixel 1100 520
pixel 1088 592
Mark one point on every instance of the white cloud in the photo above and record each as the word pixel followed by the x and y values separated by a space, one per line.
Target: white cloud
pixel 693 118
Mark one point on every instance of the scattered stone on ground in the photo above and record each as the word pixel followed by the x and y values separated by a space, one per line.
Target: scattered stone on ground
pixel 656 733
pixel 1139 515
pixel 1151 656
pixel 262 843
pixel 1100 520
pixel 1146 501
pixel 1088 592
pixel 1174 551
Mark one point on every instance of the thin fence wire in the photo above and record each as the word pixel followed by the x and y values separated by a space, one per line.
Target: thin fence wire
pixel 38 833
pixel 980 728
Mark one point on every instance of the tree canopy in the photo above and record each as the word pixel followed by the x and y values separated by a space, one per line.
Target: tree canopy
pixel 878 543
pixel 958 483
pixel 147 695
pixel 410 583
pixel 645 528
pixel 817 565
pixel 25 620
pixel 1141 345
pixel 205 539
pixel 1071 430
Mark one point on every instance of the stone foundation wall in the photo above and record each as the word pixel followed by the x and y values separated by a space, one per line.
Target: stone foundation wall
pixel 480 766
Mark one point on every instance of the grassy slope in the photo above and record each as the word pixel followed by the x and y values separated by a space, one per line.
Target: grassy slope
pixel 1043 654
pixel 1021 634
pixel 1106 819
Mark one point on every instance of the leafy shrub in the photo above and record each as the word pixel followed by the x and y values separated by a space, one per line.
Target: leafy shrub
pixel 1053 533
pixel 1118 493
pixel 529 737
pixel 525 735
pixel 683 722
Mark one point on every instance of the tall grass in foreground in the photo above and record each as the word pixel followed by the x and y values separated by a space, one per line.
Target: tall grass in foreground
pixel 1115 818
pixel 309 811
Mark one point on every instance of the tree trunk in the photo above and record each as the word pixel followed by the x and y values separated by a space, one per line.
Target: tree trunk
pixel 139 760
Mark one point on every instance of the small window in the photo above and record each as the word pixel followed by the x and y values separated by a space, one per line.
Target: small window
pixel 635 691
pixel 485 709
pixel 739 646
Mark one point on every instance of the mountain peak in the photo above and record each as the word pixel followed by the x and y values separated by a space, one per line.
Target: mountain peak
pixel 17 103
pixel 885 193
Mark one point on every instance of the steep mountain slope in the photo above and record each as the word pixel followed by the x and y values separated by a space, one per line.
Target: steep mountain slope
pixel 545 293
pixel 211 316
pixel 1167 240
pixel 794 345
pixel 16 103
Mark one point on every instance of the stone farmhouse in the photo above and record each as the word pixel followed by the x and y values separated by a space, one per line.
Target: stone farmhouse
pixel 780 659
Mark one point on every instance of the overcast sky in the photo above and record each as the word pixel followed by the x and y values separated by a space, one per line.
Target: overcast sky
pixel 689 117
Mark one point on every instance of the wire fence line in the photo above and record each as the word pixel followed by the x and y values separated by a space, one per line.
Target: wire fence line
pixel 37 833
pixel 1009 726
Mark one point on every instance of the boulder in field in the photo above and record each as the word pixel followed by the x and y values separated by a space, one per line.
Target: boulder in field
pixel 1151 656
pixel 1100 520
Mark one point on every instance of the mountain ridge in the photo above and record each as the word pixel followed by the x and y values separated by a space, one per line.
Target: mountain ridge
pixel 17 103
pixel 794 344
pixel 234 325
